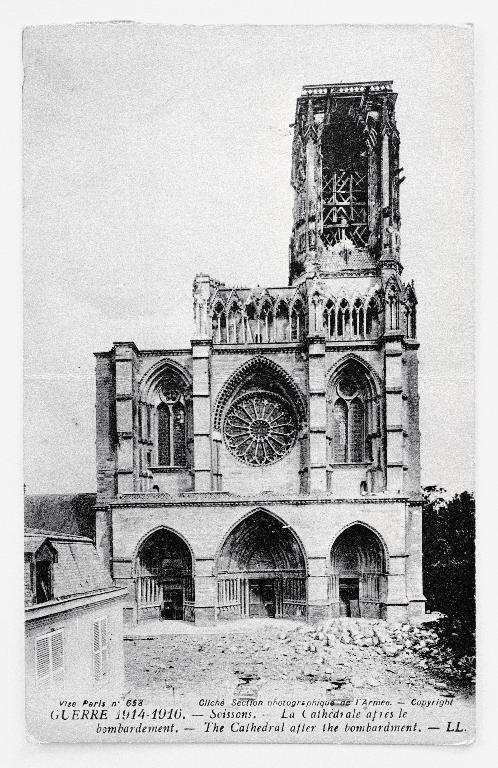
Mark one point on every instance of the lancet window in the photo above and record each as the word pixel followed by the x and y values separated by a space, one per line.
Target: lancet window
pixel 392 311
pixel 297 321
pixel 411 322
pixel 329 319
pixel 235 331
pixel 219 324
pixel 348 404
pixel 266 323
pixel 171 430
pixel 343 319
pixel 372 318
pixel 358 319
pixel 282 321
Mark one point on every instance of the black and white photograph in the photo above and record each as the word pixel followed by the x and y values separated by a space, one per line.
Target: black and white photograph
pixel 249 452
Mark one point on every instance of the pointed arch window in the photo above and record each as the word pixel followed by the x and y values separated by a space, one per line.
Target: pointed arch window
pixel 411 323
pixel 340 431
pixel 392 311
pixel 266 323
pixel 297 322
pixel 282 321
pixel 372 318
pixel 348 431
pixel 348 421
pixel 171 430
pixel 234 325
pixel 329 319
pixel 251 319
pixel 164 435
pixel 358 318
pixel 219 324
pixel 356 431
pixel 343 319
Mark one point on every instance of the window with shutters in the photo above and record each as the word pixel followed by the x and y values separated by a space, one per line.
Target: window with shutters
pixel 100 649
pixel 49 659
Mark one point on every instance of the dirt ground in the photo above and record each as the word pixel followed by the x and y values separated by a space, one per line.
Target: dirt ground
pixel 276 658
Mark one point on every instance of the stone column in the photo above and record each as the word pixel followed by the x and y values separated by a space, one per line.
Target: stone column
pixel 412 442
pixel 125 361
pixel 318 605
pixel 317 415
pixel 205 591
pixel 394 412
pixel 397 603
pixel 201 397
pixel 414 581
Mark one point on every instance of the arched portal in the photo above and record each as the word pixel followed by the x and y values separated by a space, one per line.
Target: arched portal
pixel 261 570
pixel 358 574
pixel 163 573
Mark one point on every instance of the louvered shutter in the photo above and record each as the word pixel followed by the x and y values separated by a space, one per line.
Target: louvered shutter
pixel 49 658
pixel 104 647
pixel 57 654
pixel 100 648
pixel 97 666
pixel 42 655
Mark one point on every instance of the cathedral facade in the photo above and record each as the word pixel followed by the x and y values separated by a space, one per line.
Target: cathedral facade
pixel 273 467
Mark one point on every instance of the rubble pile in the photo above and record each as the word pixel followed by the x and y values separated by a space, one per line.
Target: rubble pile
pixel 339 656
pixel 419 645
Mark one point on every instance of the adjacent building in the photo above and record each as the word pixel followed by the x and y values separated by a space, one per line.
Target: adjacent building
pixel 73 616
pixel 272 468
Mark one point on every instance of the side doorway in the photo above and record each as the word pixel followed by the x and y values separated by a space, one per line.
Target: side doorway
pixel 349 597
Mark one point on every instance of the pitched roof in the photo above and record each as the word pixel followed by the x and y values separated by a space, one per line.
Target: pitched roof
pixel 78 569
pixel 33 542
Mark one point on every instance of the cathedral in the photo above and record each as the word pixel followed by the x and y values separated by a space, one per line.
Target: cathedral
pixel 272 468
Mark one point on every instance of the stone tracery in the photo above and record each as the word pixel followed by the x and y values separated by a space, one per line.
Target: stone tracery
pixel 260 428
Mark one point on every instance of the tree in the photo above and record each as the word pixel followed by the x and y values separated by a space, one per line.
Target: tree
pixel 449 564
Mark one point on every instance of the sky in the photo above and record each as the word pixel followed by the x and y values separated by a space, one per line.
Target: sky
pixel 152 153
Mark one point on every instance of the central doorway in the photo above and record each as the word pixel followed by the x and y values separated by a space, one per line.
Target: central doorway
pixel 261 571
pixel 262 598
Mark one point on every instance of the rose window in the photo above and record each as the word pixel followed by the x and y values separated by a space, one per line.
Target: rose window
pixel 260 428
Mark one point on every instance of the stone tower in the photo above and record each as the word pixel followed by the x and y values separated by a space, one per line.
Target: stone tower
pixel 345 252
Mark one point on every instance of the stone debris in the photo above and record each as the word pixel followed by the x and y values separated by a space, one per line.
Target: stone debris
pixel 339 653
pixel 390 639
pixel 417 645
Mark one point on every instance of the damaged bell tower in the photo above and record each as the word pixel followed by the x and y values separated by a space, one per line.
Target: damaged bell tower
pixel 346 178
